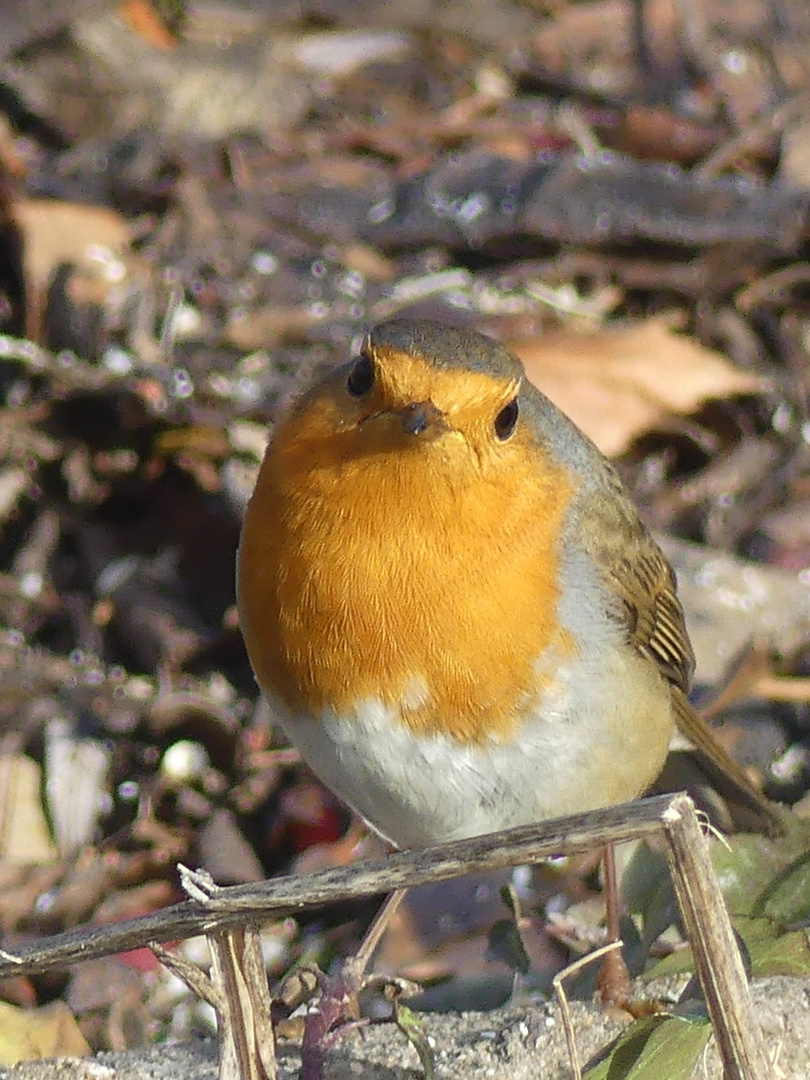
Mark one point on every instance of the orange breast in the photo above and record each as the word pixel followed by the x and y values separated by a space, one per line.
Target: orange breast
pixel 427 579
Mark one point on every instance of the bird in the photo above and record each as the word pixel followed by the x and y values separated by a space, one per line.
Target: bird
pixel 452 604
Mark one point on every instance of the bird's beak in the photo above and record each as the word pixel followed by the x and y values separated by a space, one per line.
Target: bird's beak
pixel 420 417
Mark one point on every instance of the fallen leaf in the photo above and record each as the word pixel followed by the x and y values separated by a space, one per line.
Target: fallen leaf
pixel 31 1034
pixel 619 383
pixel 146 19
pixel 25 837
pixel 76 771
pixel 596 41
pixel 94 238
pixel 731 602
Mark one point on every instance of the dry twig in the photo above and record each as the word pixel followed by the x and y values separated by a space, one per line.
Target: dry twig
pixel 717 956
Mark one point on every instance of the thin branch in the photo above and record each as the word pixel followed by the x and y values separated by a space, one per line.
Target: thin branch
pixel 281 897
pixel 717 956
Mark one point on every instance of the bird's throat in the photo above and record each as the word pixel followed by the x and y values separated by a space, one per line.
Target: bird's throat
pixel 433 590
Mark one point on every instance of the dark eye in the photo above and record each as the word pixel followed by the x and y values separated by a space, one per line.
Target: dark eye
pixel 361 377
pixel 506 420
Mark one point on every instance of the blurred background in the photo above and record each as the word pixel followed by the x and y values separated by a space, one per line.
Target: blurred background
pixel 204 203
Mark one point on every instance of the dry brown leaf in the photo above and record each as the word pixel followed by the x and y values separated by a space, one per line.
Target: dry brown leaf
pixel 617 384
pixel 24 833
pixel 95 238
pixel 31 1034
pixel 597 38
pixel 596 42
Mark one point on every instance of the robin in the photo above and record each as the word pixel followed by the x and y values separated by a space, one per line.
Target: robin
pixel 452 604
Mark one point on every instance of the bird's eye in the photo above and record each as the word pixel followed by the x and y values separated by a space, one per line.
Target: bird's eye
pixel 506 420
pixel 361 377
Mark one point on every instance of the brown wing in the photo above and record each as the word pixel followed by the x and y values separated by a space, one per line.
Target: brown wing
pixel 652 612
pixel 644 584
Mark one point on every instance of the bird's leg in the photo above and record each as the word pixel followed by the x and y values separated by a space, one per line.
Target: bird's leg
pixel 356 966
pixel 614 979
pixel 337 1003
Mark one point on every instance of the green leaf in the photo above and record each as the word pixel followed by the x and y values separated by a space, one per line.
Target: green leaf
pixel 776 951
pixel 761 876
pixel 677 963
pixel 411 1027
pixel 653 1048
pixel 505 943
pixel 647 891
pixel 505 940
pixel 773 951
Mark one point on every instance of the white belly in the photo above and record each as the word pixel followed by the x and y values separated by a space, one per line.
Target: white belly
pixel 598 740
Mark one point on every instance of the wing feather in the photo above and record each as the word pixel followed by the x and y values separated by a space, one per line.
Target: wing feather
pixel 647 605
